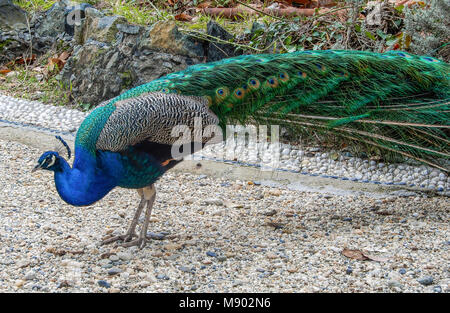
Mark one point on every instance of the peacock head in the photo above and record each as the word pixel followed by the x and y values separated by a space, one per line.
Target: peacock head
pixel 51 160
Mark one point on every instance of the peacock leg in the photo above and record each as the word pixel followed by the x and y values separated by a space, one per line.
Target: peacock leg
pixel 131 230
pixel 149 196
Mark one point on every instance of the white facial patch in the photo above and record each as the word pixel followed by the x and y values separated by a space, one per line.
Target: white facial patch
pixel 53 160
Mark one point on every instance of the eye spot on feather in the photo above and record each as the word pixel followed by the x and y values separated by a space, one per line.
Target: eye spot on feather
pixel 429 59
pixel 165 90
pixel 284 77
pixel 302 74
pixel 222 93
pixel 320 67
pixel 239 93
pixel 404 55
pixel 204 67
pixel 272 82
pixel 253 83
pixel 342 74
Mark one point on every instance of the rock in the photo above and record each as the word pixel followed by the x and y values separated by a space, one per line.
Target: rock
pixel 211 254
pixel 162 276
pixel 173 246
pixel 103 283
pixel 292 269
pixel 164 36
pixel 349 270
pixel 394 284
pixel 113 58
pixel 114 271
pixel 128 29
pixel 114 258
pixel 213 201
pixel 54 20
pixel 426 281
pixel 11 16
pixel 216 50
pixel 270 213
pixel 124 256
pixel 103 29
pixel 155 236
pixel 185 269
pixel 271 255
pixel 30 275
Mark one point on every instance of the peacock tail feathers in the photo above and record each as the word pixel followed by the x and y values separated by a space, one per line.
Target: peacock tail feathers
pixel 395 101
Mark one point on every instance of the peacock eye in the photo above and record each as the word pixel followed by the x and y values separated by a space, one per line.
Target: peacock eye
pixel 282 76
pixel 253 82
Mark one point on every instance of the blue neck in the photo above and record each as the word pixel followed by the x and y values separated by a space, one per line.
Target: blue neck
pixel 85 183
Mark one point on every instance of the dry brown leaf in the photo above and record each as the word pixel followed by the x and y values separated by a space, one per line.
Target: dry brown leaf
pixel 203 5
pixel 354 254
pixel 183 17
pixel 362 255
pixel 374 257
pixel 5 71
pixel 64 56
pixel 55 251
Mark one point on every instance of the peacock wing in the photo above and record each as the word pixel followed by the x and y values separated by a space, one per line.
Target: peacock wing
pixel 151 117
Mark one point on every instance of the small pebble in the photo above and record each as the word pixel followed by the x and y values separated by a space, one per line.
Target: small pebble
pixel 103 283
pixel 426 281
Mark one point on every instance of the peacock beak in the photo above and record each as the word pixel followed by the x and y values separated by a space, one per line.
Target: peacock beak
pixel 37 167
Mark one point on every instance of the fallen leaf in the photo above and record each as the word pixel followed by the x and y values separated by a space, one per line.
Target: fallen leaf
pixel 5 71
pixel 362 255
pixel 183 17
pixel 354 254
pixel 58 252
pixel 203 5
pixel 64 56
pixel 22 60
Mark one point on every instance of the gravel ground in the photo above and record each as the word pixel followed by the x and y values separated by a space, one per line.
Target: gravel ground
pixel 212 235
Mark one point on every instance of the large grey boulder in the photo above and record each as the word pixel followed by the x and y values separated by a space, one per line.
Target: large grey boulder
pixel 11 16
pixel 115 56
pixel 218 51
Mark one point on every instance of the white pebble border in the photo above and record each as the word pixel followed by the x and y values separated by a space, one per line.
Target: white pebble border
pixel 308 161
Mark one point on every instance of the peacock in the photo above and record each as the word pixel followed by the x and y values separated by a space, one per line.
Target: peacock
pixel 395 101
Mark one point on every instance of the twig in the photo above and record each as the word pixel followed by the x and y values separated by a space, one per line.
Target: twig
pixel 201 35
pixel 330 11
pixel 259 11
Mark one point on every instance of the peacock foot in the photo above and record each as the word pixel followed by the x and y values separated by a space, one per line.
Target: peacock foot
pixel 125 238
pixel 139 242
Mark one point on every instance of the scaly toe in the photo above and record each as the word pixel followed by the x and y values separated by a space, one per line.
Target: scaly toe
pixel 124 238
pixel 140 243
